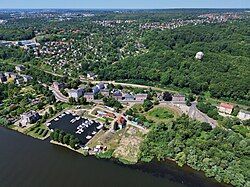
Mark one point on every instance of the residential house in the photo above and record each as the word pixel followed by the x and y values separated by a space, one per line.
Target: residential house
pixel 27 78
pixel 89 96
pixel 101 86
pixel 76 93
pixel 91 75
pixel 2 78
pixel 8 74
pixel 129 97
pixel 58 86
pixel 95 89
pixel 121 122
pixel 179 98
pixel 244 115
pixel 30 117
pixel 110 115
pixel 13 75
pixel 226 108
pixel 19 80
pixel 20 68
pixel 141 97
pixel 117 95
pixel 105 92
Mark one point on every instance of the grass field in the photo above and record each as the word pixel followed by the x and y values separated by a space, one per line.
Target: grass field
pixel 161 114
pixel 40 132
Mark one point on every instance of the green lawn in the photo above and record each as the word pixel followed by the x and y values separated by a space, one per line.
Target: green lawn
pixel 160 114
pixel 40 132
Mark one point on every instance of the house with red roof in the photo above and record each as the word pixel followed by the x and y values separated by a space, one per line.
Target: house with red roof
pixel 226 108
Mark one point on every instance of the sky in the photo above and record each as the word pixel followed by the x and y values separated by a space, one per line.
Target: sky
pixel 124 4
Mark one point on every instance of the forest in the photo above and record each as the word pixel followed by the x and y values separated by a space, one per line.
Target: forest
pixel 169 60
pixel 219 153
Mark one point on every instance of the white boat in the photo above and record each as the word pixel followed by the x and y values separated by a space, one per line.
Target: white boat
pixel 88 137
pixel 48 124
pixel 56 119
pixel 93 133
pixel 99 127
pixel 67 112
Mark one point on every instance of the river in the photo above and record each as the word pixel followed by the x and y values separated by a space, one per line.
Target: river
pixel 28 162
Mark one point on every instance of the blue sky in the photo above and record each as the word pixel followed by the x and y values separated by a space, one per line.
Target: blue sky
pixel 89 4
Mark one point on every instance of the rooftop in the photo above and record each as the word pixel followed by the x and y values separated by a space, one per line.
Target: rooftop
pixel 226 105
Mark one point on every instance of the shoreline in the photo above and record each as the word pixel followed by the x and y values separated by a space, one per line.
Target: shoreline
pixel 121 162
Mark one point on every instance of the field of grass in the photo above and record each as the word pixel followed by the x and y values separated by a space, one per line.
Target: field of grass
pixel 39 131
pixel 161 114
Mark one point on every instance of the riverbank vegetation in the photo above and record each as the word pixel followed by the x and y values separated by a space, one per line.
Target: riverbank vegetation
pixel 39 131
pixel 220 153
pixel 61 137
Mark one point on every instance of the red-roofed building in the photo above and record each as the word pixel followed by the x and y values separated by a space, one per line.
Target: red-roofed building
pixel 226 108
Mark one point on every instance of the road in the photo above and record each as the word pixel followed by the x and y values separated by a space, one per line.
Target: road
pixel 194 113
pixel 58 95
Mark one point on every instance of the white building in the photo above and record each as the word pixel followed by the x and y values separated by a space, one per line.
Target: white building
pixel 76 93
pixel 226 108
pixel 199 55
pixel 244 115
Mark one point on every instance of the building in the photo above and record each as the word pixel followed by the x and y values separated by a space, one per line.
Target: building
pixel 58 86
pixel 13 75
pixel 226 108
pixel 89 96
pixel 105 93
pixel 244 115
pixel 199 55
pixel 2 78
pixel 91 76
pixel 129 97
pixel 179 98
pixel 27 78
pixel 19 80
pixel 20 68
pixel 141 97
pixel 29 118
pixel 117 95
pixel 121 122
pixel 110 115
pixel 101 85
pixel 8 74
pixel 95 89
pixel 76 93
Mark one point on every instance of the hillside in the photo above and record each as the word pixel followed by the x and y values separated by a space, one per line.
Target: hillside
pixel 224 71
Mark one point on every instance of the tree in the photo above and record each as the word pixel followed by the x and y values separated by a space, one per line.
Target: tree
pixel 167 96
pixel 147 105
pixel 71 100
pixel 51 111
pixel 66 139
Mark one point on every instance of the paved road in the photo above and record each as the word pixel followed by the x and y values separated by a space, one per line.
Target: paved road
pixel 58 95
pixel 194 113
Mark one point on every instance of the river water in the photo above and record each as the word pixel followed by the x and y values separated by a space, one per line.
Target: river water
pixel 28 162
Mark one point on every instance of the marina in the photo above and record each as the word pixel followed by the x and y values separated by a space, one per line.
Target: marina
pixel 82 128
